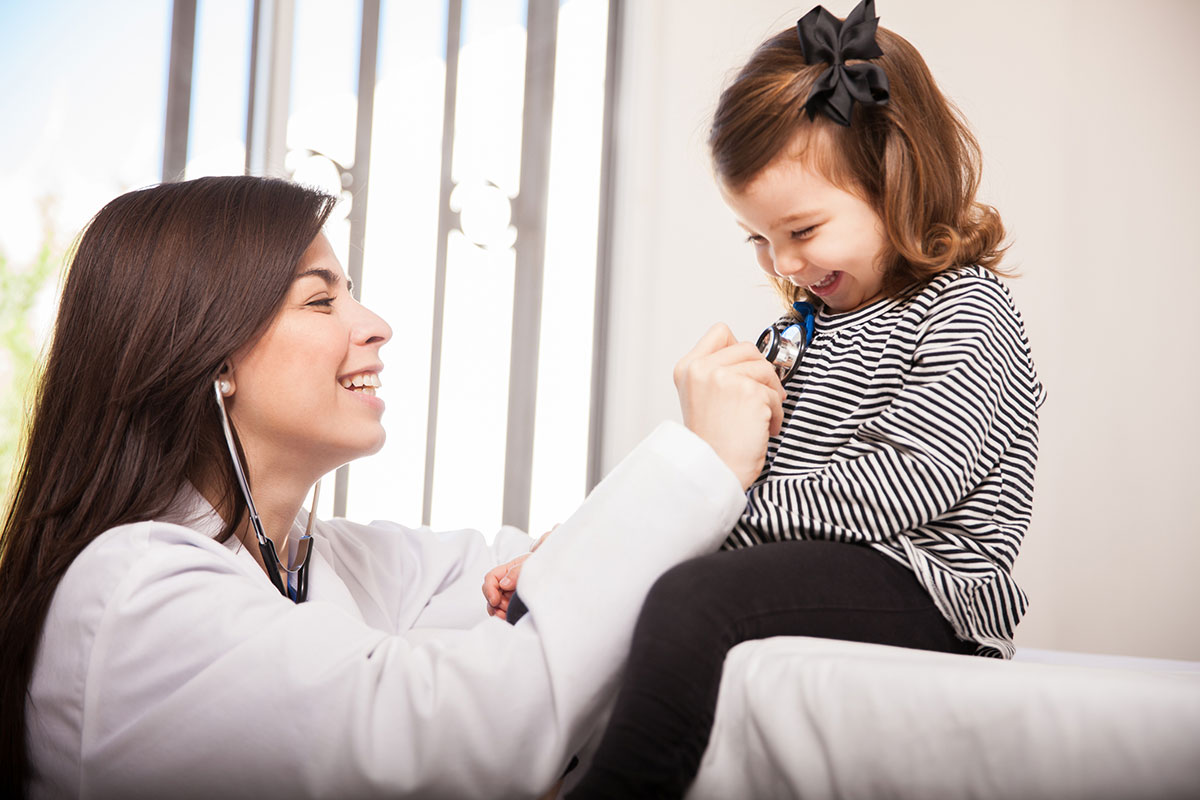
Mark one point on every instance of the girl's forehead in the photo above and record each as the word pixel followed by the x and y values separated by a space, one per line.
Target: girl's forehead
pixel 812 162
pixel 814 149
pixel 788 180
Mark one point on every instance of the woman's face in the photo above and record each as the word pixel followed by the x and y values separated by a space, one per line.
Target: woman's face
pixel 303 395
pixel 807 231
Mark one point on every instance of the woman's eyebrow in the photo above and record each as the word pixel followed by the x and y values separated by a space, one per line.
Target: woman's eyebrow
pixel 329 276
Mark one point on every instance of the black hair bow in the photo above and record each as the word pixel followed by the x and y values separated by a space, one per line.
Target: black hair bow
pixel 825 39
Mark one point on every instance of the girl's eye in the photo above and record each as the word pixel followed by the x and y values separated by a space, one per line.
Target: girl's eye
pixel 754 238
pixel 803 234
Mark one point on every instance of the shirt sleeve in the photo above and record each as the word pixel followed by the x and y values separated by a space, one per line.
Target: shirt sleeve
pixel 969 392
pixel 205 682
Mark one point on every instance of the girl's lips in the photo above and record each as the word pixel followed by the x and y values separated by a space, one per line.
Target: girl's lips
pixel 827 286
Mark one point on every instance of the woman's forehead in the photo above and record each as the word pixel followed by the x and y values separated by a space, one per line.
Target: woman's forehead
pixel 320 261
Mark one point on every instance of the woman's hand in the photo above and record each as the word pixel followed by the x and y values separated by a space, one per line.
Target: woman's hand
pixel 731 398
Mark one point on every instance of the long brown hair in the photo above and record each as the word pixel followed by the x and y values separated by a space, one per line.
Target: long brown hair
pixel 913 160
pixel 164 285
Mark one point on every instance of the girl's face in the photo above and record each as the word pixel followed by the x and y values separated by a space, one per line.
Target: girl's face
pixel 304 394
pixel 807 231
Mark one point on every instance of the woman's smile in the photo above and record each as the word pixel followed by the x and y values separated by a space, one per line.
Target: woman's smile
pixel 281 404
pixel 363 385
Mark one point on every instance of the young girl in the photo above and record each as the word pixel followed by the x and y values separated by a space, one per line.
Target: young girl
pixel 896 496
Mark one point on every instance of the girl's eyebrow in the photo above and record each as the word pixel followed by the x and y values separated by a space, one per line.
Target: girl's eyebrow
pixel 782 221
pixel 331 278
pixel 792 218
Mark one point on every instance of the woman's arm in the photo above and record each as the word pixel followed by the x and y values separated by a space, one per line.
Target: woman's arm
pixel 202 680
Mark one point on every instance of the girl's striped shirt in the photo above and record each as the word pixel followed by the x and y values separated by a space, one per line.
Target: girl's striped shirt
pixel 911 427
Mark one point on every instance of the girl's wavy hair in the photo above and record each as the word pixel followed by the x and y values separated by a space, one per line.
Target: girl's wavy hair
pixel 913 160
pixel 164 285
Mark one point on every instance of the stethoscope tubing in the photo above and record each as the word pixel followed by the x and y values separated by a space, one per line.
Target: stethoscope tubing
pixel 265 545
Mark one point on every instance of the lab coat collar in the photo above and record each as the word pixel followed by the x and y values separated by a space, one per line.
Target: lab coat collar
pixel 192 510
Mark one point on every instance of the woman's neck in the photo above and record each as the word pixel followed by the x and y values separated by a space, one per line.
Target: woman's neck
pixel 277 500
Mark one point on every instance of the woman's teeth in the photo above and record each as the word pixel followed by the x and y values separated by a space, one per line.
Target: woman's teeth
pixel 365 382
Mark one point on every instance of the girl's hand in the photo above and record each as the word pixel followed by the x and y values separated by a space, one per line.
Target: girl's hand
pixel 499 585
pixel 731 398
pixel 501 582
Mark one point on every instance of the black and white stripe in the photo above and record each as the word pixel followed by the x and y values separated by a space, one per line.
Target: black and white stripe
pixel 911 426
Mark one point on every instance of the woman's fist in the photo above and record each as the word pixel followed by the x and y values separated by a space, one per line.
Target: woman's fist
pixel 731 398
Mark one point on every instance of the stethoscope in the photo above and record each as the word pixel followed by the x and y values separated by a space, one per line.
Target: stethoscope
pixel 784 343
pixel 266 546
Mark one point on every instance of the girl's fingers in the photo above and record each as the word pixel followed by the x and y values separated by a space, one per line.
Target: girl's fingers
pixel 500 608
pixel 491 584
pixel 508 581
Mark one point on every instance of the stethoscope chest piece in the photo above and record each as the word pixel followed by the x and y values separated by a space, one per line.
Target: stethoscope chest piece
pixel 783 343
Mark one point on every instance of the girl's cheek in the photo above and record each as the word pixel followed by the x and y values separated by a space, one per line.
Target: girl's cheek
pixel 764 261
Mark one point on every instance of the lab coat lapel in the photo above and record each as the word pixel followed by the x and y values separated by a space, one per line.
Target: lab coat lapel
pixel 326 586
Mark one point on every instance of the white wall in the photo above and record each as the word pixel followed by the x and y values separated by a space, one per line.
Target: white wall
pixel 1088 115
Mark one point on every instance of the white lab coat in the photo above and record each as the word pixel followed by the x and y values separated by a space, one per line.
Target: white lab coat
pixel 171 667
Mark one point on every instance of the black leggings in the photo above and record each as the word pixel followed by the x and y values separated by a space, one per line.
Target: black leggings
pixel 701 608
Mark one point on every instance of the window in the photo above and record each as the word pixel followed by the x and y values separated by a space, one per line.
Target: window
pixel 466 139
pixel 83 106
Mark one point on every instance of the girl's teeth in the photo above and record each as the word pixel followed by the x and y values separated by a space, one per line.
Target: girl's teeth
pixel 823 283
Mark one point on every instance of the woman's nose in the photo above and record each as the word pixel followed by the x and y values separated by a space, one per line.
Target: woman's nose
pixel 370 328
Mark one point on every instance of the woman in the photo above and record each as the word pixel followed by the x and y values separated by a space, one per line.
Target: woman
pixel 152 643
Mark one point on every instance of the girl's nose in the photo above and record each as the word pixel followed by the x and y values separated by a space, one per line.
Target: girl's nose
pixel 789 265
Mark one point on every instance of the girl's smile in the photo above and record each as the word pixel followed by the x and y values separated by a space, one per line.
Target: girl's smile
pixel 826 286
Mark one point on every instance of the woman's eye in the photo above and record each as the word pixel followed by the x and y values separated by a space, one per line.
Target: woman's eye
pixel 324 302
